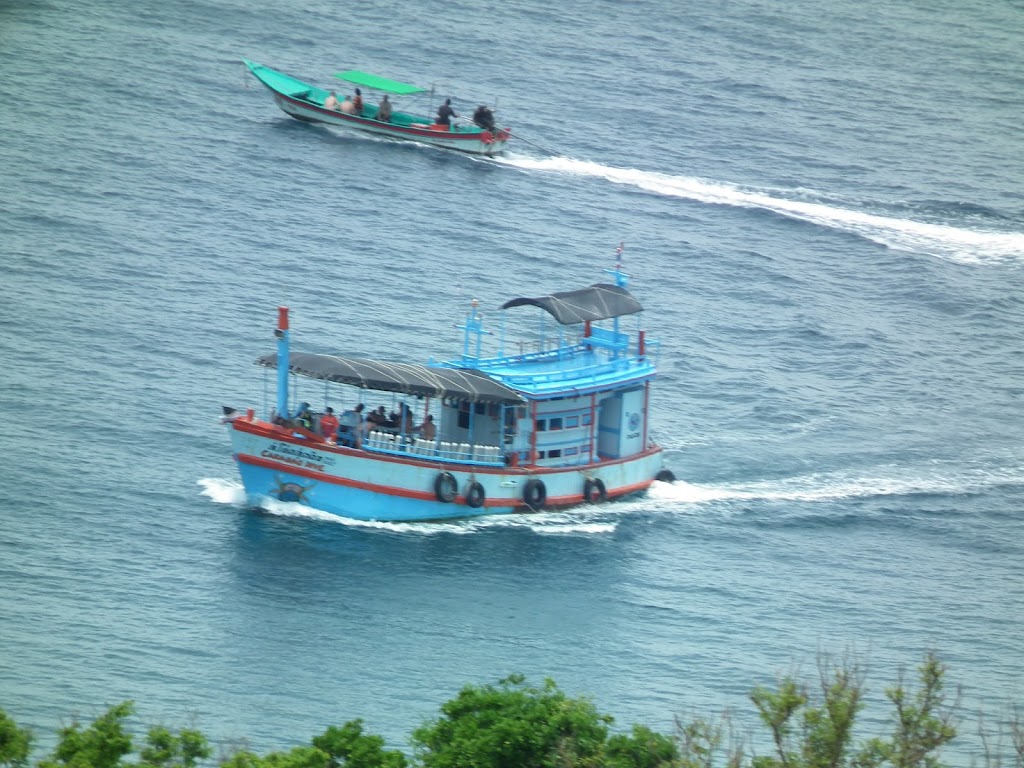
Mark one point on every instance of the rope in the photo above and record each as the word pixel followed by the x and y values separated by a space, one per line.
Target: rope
pixel 532 143
pixel 515 136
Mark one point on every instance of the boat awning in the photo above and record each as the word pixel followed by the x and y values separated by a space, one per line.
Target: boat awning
pixel 598 302
pixel 408 379
pixel 377 82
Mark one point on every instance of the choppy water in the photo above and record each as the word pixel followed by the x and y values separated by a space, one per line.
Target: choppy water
pixel 822 211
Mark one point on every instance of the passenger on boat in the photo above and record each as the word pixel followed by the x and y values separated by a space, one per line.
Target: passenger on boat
pixel 407 424
pixel 350 427
pixel 376 418
pixel 384 110
pixel 357 102
pixel 304 416
pixel 445 113
pixel 331 102
pixel 347 106
pixel 484 117
pixel 329 424
pixel 427 430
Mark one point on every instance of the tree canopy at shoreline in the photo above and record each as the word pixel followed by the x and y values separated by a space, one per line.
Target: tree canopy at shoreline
pixel 513 724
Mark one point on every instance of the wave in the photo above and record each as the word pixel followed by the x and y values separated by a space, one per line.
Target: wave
pixel 583 520
pixel 964 246
pixel 884 482
pixel 671 498
pixel 222 491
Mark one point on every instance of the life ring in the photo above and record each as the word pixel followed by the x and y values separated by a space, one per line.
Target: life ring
pixel 475 495
pixel 487 137
pixel 534 493
pixel 594 491
pixel 665 476
pixel 445 487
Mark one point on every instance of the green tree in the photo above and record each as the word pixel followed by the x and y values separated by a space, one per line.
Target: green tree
pixel 15 743
pixel 641 748
pixel 700 742
pixel 777 710
pixel 102 745
pixel 512 725
pixel 242 758
pixel 349 747
pixel 165 749
pixel 298 757
pixel 924 722
pixel 811 732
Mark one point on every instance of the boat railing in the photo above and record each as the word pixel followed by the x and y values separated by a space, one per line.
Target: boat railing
pixel 594 372
pixel 384 442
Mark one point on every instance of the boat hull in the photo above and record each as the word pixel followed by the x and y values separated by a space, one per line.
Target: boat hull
pixel 305 102
pixel 445 139
pixel 396 486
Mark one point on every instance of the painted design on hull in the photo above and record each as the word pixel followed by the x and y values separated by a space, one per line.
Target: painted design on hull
pixel 285 490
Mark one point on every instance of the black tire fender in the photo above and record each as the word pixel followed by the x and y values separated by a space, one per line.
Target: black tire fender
pixel 665 476
pixel 534 493
pixel 475 495
pixel 445 487
pixel 594 491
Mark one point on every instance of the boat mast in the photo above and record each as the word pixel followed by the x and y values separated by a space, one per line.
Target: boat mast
pixel 282 361
pixel 621 280
pixel 474 325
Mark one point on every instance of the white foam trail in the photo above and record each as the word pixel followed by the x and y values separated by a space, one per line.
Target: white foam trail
pixel 890 481
pixel 579 521
pixel 952 243
pixel 223 491
pixel 680 496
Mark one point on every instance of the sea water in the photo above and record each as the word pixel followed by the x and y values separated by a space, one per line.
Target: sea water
pixel 821 209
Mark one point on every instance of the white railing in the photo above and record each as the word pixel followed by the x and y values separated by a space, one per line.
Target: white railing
pixel 384 442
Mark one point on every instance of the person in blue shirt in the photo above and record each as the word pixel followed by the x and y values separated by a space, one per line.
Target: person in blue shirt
pixel 350 427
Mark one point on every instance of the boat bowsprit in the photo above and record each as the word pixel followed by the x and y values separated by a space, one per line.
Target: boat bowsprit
pixel 563 420
pixel 304 101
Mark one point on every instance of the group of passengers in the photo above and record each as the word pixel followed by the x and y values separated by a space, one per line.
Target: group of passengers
pixel 353 105
pixel 352 426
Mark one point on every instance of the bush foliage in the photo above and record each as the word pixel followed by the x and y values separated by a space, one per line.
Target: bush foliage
pixel 513 724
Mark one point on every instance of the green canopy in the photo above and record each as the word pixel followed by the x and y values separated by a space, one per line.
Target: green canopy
pixel 379 83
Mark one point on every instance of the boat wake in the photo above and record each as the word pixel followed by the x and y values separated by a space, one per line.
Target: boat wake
pixel 965 246
pixel 673 498
pixel 823 487
pixel 584 520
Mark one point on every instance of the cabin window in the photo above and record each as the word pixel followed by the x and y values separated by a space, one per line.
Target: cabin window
pixel 572 421
pixel 572 451
pixel 463 420
pixel 542 425
pixel 542 455
pixel 555 423
pixel 555 453
pixel 587 418
pixel 481 409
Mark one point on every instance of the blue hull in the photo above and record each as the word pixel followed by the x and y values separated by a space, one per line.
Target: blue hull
pixel 353 503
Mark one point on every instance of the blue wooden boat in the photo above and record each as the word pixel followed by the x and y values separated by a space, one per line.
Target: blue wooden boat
pixel 560 422
pixel 307 102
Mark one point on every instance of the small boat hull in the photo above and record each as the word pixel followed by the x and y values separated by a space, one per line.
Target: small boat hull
pixel 402 483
